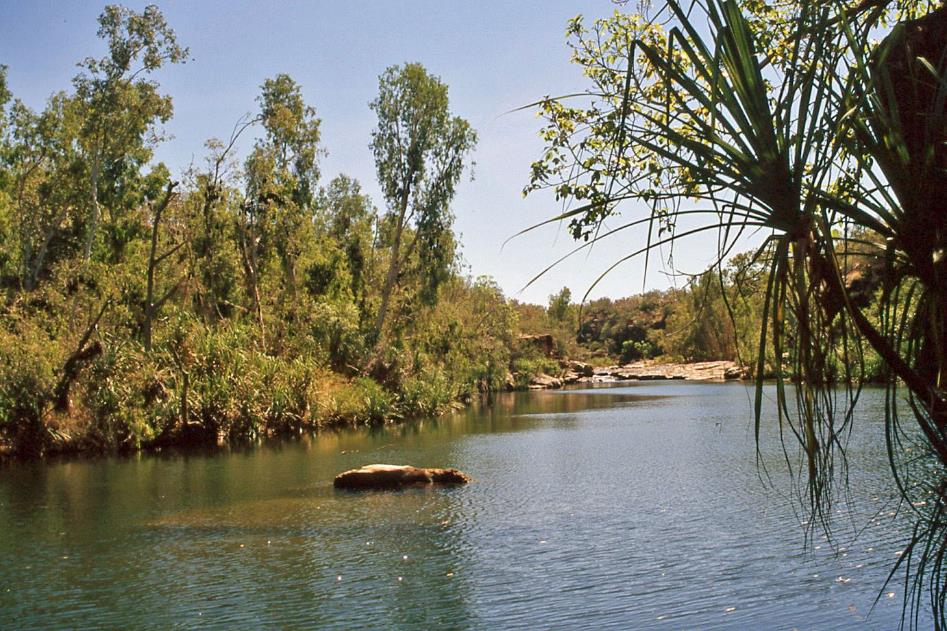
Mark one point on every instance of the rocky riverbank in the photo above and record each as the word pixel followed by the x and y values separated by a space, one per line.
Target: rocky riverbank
pixel 580 372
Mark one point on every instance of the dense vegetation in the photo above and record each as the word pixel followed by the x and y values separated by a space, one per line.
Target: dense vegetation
pixel 254 297
pixel 251 297
pixel 823 126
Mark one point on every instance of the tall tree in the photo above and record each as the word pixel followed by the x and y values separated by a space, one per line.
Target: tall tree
pixel 47 177
pixel 281 174
pixel 560 306
pixel 121 104
pixel 5 96
pixel 212 207
pixel 4 90
pixel 7 224
pixel 420 151
pixel 153 303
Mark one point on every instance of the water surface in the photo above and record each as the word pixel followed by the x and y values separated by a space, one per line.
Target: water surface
pixel 632 507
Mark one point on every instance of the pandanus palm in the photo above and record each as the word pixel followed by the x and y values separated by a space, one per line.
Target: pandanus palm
pixel 792 121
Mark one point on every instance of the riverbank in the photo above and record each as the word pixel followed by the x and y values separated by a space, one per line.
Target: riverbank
pixel 290 401
pixel 580 372
pixel 218 401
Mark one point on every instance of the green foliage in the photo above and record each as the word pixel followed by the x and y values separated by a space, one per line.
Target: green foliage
pixel 119 108
pixel 428 394
pixel 634 350
pixel 4 90
pixel 642 321
pixel 26 376
pixel 365 401
pixel 790 118
pixel 420 153
pixel 239 303
pixel 525 368
pixel 281 174
pixel 335 330
pixel 348 219
pixel 561 310
pixel 719 315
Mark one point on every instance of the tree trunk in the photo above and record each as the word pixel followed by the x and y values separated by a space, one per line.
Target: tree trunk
pixel 34 263
pixel 94 220
pixel 394 268
pixel 151 307
pixel 76 361
pixel 250 270
pixel 390 278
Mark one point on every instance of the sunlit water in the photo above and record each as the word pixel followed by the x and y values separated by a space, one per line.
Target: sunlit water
pixel 633 508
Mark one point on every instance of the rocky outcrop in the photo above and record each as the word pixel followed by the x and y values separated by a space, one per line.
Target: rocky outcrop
pixel 542 381
pixel 573 377
pixel 509 382
pixel 579 368
pixel 579 372
pixel 651 371
pixel 390 476
pixel 736 372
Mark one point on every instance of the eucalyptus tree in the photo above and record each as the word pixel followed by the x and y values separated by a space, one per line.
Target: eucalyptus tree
pixel 212 209
pixel 88 146
pixel 7 262
pixel 5 97
pixel 281 175
pixel 420 153
pixel 348 217
pixel 46 177
pixel 121 105
pixel 788 118
pixel 560 307
pixel 4 89
pixel 153 301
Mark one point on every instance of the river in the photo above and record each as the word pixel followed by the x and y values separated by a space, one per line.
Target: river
pixel 632 507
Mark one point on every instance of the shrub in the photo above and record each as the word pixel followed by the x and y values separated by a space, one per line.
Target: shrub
pixel 26 379
pixel 427 394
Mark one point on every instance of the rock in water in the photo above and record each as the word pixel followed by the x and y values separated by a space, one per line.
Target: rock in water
pixel 543 381
pixel 390 476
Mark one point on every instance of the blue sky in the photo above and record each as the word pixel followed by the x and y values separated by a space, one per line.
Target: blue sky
pixel 495 56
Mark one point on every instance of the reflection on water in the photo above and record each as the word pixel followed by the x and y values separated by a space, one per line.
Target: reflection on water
pixel 631 507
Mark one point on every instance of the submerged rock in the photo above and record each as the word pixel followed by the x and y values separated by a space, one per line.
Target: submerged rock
pixel 390 476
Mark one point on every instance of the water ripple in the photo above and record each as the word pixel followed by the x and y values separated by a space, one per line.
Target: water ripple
pixel 634 507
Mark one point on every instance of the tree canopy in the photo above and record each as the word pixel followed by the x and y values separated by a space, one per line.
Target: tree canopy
pixel 420 153
pixel 242 300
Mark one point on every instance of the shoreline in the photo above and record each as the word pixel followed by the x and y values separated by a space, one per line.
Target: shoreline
pixel 199 440
pixel 579 372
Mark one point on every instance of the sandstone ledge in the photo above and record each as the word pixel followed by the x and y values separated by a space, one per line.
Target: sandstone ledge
pixel 647 371
pixel 578 372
